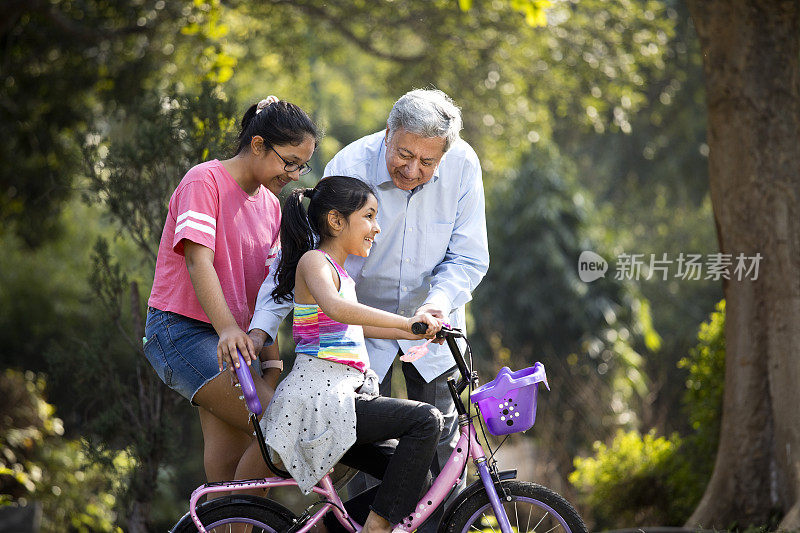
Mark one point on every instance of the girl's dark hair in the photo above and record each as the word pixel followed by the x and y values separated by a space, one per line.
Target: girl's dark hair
pixel 278 123
pixel 302 231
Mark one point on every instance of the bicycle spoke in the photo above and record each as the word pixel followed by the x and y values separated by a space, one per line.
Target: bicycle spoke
pixel 553 513
pixel 529 520
pixel 490 524
pixel 540 521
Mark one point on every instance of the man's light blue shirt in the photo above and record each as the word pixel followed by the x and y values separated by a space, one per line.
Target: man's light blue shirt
pixel 432 247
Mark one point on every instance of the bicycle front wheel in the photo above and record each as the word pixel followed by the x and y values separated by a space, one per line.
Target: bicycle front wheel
pixel 529 507
pixel 238 514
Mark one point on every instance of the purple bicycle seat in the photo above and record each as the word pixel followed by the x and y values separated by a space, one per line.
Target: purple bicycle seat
pixel 248 387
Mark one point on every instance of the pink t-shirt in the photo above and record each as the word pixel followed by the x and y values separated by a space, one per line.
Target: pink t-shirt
pixel 208 207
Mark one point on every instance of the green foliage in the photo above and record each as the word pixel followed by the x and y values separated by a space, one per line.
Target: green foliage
pixel 651 189
pixel 61 59
pixel 639 480
pixel 539 310
pixel 70 63
pixel 516 84
pixel 42 291
pixel 37 464
pixel 534 10
pixel 629 482
pixel 702 399
pixel 133 168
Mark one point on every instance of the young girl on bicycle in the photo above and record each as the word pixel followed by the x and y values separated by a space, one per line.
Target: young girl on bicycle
pixel 220 235
pixel 327 409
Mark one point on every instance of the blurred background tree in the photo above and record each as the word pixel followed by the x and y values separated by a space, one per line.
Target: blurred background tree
pixel 647 479
pixel 75 492
pixel 590 130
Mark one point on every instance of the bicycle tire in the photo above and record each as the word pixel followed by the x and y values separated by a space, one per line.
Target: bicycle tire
pixel 544 507
pixel 220 513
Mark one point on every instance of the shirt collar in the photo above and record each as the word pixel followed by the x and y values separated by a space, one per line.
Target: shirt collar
pixel 382 176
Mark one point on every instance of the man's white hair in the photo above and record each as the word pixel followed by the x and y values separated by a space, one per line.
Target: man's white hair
pixel 427 113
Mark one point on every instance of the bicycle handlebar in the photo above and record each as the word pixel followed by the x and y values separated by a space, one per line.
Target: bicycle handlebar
pixel 419 328
pixel 449 335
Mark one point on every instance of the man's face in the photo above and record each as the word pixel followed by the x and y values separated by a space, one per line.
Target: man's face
pixel 411 159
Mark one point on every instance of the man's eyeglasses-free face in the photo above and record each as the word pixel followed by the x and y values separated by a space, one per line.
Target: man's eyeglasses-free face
pixel 288 166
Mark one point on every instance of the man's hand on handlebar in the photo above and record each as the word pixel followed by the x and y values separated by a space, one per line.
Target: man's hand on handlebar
pixel 434 310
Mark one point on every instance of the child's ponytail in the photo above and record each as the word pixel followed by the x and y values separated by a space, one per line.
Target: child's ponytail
pixel 297 238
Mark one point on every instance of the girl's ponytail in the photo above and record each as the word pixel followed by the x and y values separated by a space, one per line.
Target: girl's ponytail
pixel 297 238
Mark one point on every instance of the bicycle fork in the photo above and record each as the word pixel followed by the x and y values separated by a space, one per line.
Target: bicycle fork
pixel 494 498
pixel 480 460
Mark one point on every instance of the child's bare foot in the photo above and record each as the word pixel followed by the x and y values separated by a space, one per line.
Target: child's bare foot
pixel 376 524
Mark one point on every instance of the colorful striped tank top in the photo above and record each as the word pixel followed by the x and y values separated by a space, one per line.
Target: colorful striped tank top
pixel 317 335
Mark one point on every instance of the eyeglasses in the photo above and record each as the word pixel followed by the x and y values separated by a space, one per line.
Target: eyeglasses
pixel 288 166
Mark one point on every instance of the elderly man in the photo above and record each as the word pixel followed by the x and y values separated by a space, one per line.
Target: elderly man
pixel 431 252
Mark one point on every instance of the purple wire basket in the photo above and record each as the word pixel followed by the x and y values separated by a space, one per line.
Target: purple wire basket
pixel 508 403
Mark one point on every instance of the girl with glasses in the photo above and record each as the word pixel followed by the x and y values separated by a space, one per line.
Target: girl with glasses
pixel 220 236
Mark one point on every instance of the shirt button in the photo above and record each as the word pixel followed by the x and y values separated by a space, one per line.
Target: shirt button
pixel 405 289
pixel 410 230
pixel 408 259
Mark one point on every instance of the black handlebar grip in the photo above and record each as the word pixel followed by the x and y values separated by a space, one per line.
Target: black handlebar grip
pixel 419 328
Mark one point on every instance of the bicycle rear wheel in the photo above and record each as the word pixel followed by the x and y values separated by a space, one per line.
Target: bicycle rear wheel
pixel 529 507
pixel 240 513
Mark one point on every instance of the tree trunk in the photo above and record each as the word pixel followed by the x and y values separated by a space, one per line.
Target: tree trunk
pixel 150 409
pixel 750 58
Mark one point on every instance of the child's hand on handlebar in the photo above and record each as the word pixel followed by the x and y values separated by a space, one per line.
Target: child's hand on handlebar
pixel 434 324
pixel 230 339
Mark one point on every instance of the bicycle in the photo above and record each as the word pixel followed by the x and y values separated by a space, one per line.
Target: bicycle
pixel 507 404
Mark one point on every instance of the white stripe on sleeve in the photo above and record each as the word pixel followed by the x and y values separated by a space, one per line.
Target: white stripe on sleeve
pixel 199 216
pixel 197 226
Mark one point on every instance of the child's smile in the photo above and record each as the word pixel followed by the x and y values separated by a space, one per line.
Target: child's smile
pixel 362 226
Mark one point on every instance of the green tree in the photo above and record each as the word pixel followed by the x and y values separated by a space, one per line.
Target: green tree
pixel 67 63
pixel 645 479
pixel 133 170
pixel 60 59
pixel 38 465
pixel 515 83
pixel 538 308
pixel 650 187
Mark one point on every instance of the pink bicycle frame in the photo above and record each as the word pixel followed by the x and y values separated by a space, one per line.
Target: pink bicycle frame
pixel 324 488
pixel 449 477
pixel 467 447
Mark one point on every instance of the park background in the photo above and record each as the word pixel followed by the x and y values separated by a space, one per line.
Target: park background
pixel 590 119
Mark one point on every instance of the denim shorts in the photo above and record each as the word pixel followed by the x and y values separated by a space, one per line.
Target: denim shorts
pixel 182 350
